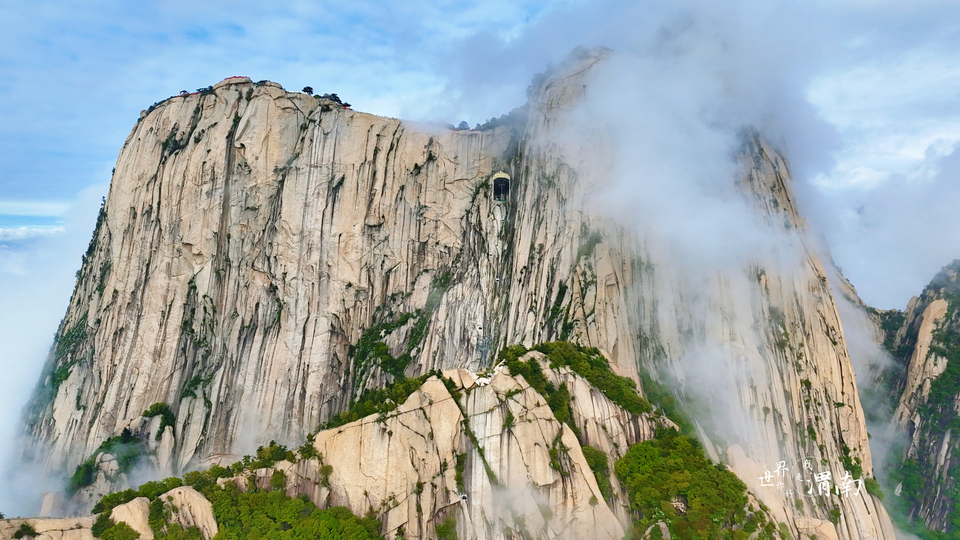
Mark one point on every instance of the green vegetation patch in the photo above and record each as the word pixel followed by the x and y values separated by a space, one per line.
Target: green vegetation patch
pixel 516 118
pixel 589 240
pixel 660 394
pixel 266 456
pixel 59 367
pixel 448 529
pixel 126 448
pixel 256 515
pixel 195 383
pixel 107 529
pixel 673 468
pixel 240 515
pixel 597 461
pixel 938 416
pixel 278 481
pixel 71 339
pixel 151 490
pixel 371 350
pixel 585 362
pixel 166 416
pixel 25 531
pixel 458 476
pixel 939 409
pixel 890 322
pixel 854 465
pixel 379 401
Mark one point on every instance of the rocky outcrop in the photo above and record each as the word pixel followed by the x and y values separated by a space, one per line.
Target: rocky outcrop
pixel 77 528
pixel 191 509
pixel 187 508
pixel 136 514
pixel 265 255
pixel 295 227
pixel 492 456
pixel 925 339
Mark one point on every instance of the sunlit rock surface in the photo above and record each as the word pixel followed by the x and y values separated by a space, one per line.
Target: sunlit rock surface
pixel 252 235
pixel 925 340
pixel 403 465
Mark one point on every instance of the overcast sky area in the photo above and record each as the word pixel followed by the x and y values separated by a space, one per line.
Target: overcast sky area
pixel 862 96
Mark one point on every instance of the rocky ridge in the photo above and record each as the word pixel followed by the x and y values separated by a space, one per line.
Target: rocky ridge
pixel 187 507
pixel 404 464
pixel 925 341
pixel 265 255
pixel 491 453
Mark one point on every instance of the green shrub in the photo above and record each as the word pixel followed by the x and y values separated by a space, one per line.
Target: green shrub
pixel 254 515
pixel 458 476
pixel 111 500
pixel 371 350
pixel 154 489
pixel 159 514
pixel 106 529
pixel 598 463
pixel 307 450
pixel 126 448
pixel 530 371
pixel 101 525
pixel 674 465
pixel 82 477
pixel 379 401
pixel 661 395
pixel 508 420
pixel 176 532
pixel 166 416
pixel 592 366
pixel 268 456
pixel 873 488
pixel 325 471
pixel 448 529
pixel 25 530
pixel 120 531
pixel 852 464
pixel 559 402
pixel 69 341
pixel 278 481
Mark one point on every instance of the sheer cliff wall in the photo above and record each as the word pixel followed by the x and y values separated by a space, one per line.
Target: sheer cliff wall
pixel 923 389
pixel 264 255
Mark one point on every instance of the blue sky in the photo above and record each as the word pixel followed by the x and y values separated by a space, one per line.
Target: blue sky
pixel 864 96
pixel 881 78
pixel 867 94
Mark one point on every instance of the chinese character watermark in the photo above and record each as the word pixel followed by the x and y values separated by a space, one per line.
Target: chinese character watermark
pixel 801 478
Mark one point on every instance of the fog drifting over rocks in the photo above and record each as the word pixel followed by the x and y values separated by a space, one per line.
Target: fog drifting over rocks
pixel 854 94
pixel 36 278
pixel 857 95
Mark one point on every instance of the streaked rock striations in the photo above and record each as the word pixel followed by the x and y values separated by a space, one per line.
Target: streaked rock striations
pixel 925 340
pixel 264 255
pixel 404 464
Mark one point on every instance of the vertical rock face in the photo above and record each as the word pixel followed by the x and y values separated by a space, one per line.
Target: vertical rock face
pixel 925 339
pixel 263 255
pixel 484 456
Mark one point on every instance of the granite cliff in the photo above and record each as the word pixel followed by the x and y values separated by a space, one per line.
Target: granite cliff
pixel 924 388
pixel 264 256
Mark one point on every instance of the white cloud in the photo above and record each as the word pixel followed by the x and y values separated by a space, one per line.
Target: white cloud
pixel 36 278
pixel 26 233
pixel 861 95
